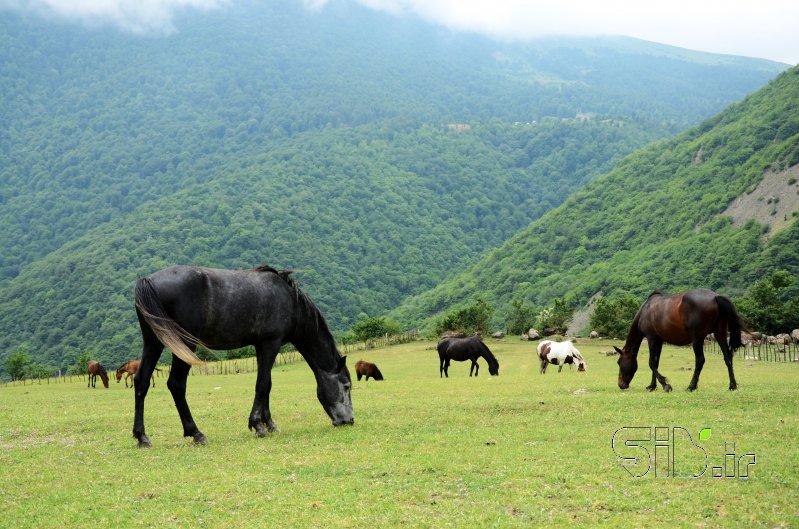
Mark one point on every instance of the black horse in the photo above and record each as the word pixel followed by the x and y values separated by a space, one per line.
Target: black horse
pixel 460 349
pixel 182 307
pixel 681 319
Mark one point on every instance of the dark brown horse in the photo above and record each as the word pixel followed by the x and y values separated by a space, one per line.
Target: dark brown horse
pixel 681 319
pixel 96 369
pixel 129 369
pixel 368 370
pixel 460 349
pixel 184 306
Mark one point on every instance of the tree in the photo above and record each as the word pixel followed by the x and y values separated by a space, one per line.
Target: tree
pixel 556 318
pixel 613 316
pixel 17 363
pixel 522 317
pixel 368 328
pixel 771 304
pixel 471 319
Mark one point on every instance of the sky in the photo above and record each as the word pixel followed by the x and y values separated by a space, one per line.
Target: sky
pixel 767 29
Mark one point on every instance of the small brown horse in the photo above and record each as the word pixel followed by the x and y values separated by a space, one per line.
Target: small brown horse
pixel 681 319
pixel 96 369
pixel 368 370
pixel 129 369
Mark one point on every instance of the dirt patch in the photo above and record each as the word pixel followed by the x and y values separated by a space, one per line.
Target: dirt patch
pixel 774 202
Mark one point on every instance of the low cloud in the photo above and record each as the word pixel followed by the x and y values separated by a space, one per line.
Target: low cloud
pixel 135 16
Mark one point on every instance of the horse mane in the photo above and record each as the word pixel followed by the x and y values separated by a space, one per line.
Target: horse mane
pixel 488 355
pixel 307 307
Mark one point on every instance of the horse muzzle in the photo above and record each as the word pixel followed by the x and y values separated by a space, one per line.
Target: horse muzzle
pixel 342 422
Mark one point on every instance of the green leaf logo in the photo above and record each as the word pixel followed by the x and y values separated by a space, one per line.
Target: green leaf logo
pixel 704 434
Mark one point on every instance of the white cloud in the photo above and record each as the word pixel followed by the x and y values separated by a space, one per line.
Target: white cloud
pixel 137 16
pixel 764 28
pixel 756 28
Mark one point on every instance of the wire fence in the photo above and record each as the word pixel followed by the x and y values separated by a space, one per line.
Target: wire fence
pixel 762 350
pixel 288 355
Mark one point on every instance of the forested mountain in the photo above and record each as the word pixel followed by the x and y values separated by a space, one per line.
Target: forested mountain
pixel 375 154
pixel 660 220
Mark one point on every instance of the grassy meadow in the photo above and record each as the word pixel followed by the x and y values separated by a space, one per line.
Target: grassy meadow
pixel 518 450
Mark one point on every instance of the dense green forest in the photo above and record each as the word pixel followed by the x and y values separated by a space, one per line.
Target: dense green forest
pixel 377 155
pixel 655 222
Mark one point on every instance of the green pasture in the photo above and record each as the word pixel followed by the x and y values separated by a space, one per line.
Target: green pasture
pixel 518 450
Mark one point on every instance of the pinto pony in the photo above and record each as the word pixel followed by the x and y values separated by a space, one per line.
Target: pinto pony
pixel 96 369
pixel 368 370
pixel 559 353
pixel 681 319
pixel 182 307
pixel 461 349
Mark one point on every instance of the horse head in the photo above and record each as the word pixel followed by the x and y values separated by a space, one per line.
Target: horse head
pixel 628 365
pixel 493 366
pixel 333 392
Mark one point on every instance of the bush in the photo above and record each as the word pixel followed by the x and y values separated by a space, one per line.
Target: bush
pixel 613 316
pixel 555 318
pixel 374 328
pixel 469 320
pixel 522 317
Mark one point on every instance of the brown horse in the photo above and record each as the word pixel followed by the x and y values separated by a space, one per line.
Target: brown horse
pixel 681 319
pixel 129 369
pixel 96 369
pixel 366 369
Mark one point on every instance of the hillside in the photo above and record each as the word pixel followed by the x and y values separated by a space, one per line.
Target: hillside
pixel 659 220
pixel 375 154
pixel 671 216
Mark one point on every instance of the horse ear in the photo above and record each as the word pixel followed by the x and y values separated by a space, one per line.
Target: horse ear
pixel 342 363
pixel 617 349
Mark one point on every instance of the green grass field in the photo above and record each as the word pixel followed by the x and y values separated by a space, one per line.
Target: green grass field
pixel 518 450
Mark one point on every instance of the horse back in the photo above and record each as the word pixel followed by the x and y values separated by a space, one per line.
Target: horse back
pixel 226 308
pixel 680 319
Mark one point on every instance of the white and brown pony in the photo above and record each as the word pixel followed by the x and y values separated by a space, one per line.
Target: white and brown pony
pixel 559 353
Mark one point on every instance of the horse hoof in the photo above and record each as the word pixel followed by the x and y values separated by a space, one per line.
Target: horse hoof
pixel 667 388
pixel 691 388
pixel 651 388
pixel 733 388
pixel 200 438
pixel 264 429
pixel 144 442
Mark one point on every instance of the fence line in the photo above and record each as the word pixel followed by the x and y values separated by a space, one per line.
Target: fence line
pixel 767 352
pixel 232 367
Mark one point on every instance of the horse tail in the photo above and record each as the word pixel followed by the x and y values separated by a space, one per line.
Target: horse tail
pixel 734 322
pixel 166 329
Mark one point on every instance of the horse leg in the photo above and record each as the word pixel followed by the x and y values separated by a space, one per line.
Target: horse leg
pixel 446 368
pixel 260 416
pixel 721 338
pixel 699 354
pixel 655 347
pixel 560 368
pixel 544 364
pixel 176 383
pixel 151 352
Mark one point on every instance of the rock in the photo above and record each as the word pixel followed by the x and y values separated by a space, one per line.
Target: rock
pixel 498 335
pixel 795 335
pixel 593 334
pixel 533 334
